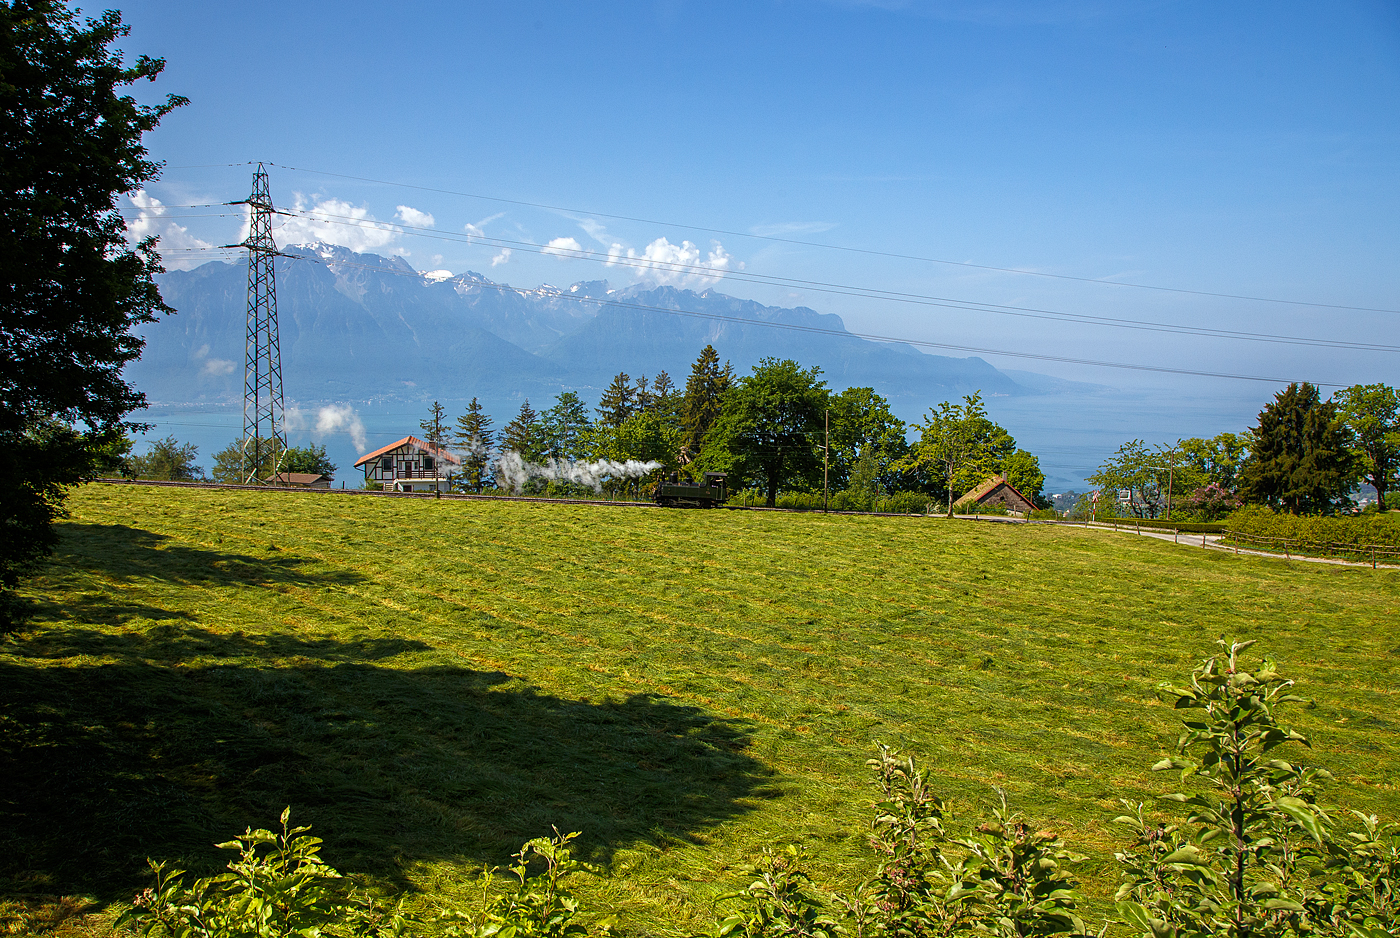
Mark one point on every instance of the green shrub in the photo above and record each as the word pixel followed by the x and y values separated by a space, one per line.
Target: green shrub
pixel 1313 533
pixel 278 886
pixel 904 503
pixel 1191 527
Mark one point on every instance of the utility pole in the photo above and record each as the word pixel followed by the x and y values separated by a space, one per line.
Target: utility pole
pixel 1171 475
pixel 826 460
pixel 264 415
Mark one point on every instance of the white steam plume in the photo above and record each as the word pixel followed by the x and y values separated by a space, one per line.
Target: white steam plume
pixel 333 418
pixel 512 470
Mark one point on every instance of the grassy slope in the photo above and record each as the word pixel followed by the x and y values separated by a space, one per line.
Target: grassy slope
pixel 429 683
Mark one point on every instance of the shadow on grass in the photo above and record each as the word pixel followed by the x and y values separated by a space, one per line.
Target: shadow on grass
pixel 115 746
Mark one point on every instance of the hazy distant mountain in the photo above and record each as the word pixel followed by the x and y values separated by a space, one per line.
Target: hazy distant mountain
pixel 363 326
pixel 625 336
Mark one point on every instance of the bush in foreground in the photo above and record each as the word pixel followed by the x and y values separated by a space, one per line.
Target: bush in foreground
pixel 1253 854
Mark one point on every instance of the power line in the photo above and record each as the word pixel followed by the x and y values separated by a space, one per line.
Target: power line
pixel 837 247
pixel 921 343
pixel 844 289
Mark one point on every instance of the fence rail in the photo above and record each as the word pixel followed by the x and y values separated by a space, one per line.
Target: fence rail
pixel 1303 546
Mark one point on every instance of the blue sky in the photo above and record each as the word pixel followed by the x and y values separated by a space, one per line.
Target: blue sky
pixel 1244 148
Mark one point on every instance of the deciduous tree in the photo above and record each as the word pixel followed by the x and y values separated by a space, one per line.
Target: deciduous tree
pixel 865 433
pixel 770 428
pixel 1372 413
pixel 166 460
pixel 962 444
pixel 1133 469
pixel 71 288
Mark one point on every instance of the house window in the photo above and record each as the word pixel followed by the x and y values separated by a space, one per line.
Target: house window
pixel 387 463
pixel 427 463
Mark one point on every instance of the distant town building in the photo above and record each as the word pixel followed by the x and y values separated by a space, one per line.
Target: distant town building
pixel 410 465
pixel 996 492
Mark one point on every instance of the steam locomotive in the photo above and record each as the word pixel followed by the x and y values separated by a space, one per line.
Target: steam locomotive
pixel 710 493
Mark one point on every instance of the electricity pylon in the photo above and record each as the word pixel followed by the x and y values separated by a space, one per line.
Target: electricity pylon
pixel 264 433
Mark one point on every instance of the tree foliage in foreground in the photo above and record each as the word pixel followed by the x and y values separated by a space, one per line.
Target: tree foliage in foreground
pixel 1251 853
pixel 71 290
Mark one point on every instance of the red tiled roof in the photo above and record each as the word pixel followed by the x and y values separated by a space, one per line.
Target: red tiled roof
pixel 424 445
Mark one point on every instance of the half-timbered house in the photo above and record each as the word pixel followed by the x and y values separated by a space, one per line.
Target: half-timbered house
pixel 410 465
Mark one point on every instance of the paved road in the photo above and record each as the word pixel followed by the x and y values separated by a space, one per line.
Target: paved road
pixel 1212 542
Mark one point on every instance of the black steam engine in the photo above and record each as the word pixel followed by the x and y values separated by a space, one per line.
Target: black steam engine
pixel 710 493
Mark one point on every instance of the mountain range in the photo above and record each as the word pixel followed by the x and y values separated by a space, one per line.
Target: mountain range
pixel 372 328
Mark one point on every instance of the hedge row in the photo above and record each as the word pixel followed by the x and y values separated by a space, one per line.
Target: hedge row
pixel 1256 521
pixel 1189 527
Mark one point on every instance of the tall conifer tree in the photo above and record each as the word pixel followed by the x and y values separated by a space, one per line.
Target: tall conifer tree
pixel 435 427
pixel 618 401
pixel 704 396
pixel 474 437
pixel 1300 457
pixel 523 434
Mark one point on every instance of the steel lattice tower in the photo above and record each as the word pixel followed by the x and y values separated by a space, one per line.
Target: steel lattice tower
pixel 264 433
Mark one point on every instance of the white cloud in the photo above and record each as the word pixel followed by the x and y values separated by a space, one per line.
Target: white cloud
pixel 594 230
pixel 437 276
pixel 333 418
pixel 501 258
pixel 792 228
pixel 334 221
pixel 478 230
pixel 175 240
pixel 564 247
pixel 413 218
pixel 680 265
pixel 217 367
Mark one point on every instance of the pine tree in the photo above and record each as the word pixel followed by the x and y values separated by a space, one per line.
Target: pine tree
pixel 523 436
pixel 1300 457
pixel 666 400
pixel 704 395
pixel 434 429
pixel 618 401
pixel 563 427
pixel 474 438
pixel 662 387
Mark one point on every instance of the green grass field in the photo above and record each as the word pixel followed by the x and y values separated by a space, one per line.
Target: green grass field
pixel 431 682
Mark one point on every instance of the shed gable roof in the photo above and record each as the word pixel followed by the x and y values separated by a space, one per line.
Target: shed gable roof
pixel 988 487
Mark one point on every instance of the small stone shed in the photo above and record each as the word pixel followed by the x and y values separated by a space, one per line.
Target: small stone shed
pixel 996 492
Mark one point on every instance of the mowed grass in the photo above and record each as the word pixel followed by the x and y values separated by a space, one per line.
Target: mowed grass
pixel 430 683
